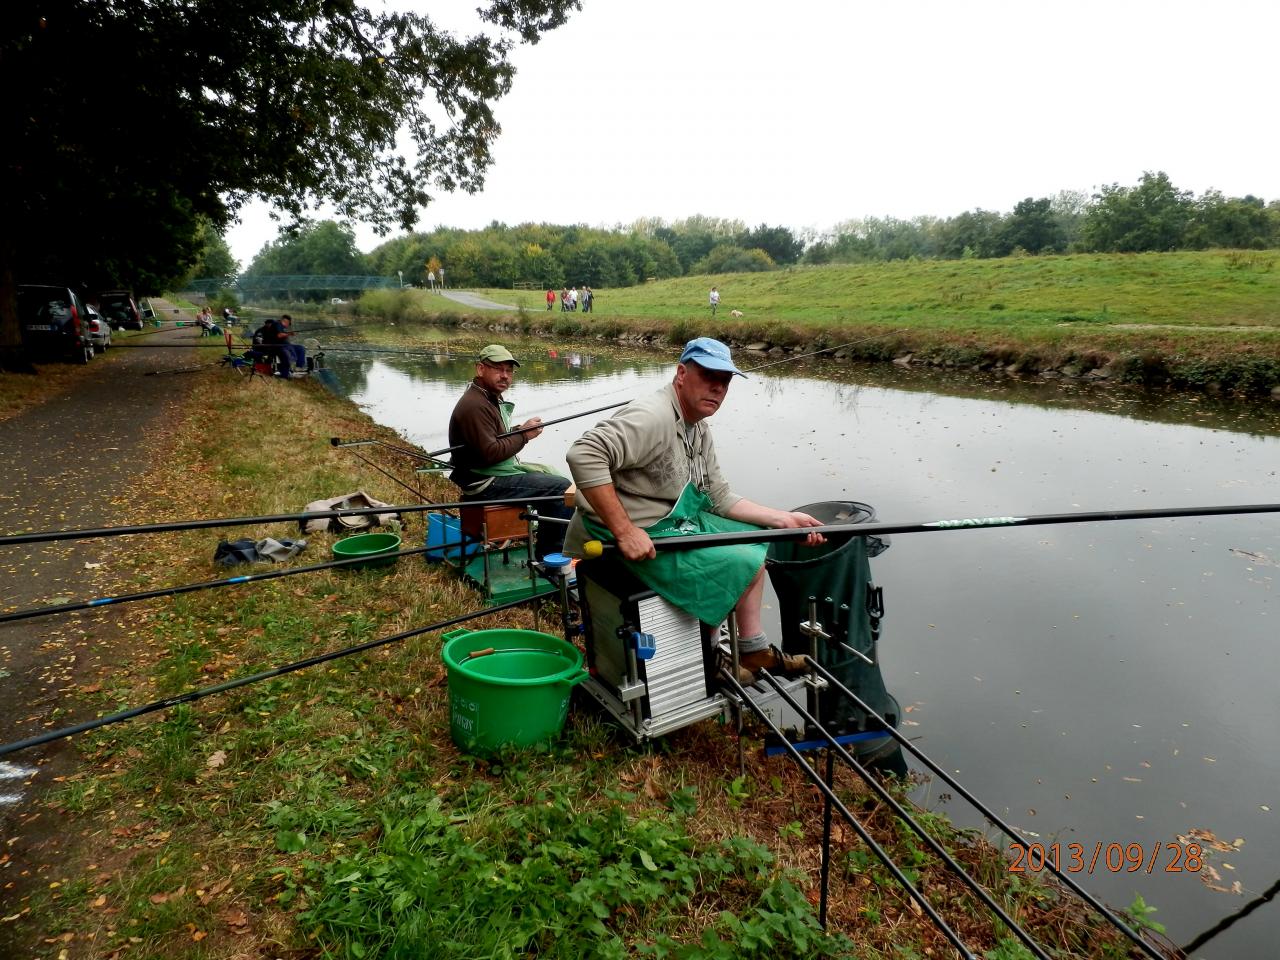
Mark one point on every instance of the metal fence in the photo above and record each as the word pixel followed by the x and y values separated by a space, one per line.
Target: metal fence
pixel 248 287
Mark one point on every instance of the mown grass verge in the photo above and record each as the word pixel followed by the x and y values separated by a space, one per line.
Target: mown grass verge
pixel 327 812
pixel 1197 321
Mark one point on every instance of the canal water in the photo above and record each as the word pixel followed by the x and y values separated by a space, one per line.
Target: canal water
pixel 1111 686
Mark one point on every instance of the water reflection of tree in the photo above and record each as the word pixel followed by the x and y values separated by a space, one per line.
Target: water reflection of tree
pixel 549 363
pixel 1256 418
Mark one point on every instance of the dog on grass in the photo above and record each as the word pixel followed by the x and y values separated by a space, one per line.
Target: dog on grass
pixel 735 313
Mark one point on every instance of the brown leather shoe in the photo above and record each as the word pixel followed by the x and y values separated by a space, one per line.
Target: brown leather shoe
pixel 773 660
pixel 745 677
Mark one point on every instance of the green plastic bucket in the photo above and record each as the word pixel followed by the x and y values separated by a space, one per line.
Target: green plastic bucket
pixel 508 688
pixel 374 546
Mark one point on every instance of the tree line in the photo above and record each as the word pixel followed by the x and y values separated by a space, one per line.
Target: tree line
pixel 296 104
pixel 1152 215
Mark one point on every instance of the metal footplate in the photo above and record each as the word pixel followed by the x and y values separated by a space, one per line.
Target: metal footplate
pixel 779 712
pixel 649 727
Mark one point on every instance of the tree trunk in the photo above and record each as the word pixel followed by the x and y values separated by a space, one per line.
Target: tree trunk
pixel 13 359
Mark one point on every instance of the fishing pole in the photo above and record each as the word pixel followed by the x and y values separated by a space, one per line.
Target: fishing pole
pixel 839 749
pixel 594 548
pixel 32 612
pixel 202 366
pixel 164 346
pixel 920 899
pixel 422 352
pixel 390 476
pixel 199 693
pixel 1231 919
pixel 978 805
pixel 838 346
pixel 545 423
pixel 335 441
pixel 87 533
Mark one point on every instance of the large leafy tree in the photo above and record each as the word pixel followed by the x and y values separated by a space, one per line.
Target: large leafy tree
pixel 326 247
pixel 1151 216
pixel 1034 227
pixel 779 243
pixel 127 121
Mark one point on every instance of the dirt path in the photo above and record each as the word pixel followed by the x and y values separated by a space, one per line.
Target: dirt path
pixel 74 461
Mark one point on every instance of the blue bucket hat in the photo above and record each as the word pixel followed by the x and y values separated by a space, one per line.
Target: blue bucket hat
pixel 710 355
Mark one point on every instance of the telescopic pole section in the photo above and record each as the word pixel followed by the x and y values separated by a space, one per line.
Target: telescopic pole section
pixel 594 548
pixel 86 534
pixel 834 747
pixel 816 779
pixel 992 817
pixel 544 423
pixel 192 695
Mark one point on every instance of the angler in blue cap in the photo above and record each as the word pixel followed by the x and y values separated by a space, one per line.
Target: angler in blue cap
pixel 650 471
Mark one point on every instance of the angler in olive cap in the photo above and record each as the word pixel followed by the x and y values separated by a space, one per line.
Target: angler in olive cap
pixel 486 467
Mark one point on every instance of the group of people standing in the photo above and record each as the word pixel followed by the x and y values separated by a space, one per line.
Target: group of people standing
pixel 571 298
pixel 647 472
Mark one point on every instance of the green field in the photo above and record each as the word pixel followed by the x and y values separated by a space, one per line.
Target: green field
pixel 1225 288
pixel 1195 321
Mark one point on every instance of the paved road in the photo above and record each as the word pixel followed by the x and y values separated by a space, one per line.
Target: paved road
pixel 476 301
pixel 66 463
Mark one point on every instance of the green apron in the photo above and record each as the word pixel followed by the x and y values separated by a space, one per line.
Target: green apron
pixel 706 582
pixel 512 466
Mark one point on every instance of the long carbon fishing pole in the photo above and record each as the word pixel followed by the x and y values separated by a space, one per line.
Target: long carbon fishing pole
pixel 335 441
pixel 905 817
pixel 48 611
pixel 838 346
pixel 88 533
pixel 545 423
pixel 389 475
pixel 978 805
pixel 392 351
pixel 192 695
pixel 594 548
pixel 166 346
pixel 371 441
pixel 920 899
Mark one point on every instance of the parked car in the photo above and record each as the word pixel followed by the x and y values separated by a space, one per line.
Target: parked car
pixel 119 308
pixel 53 321
pixel 97 329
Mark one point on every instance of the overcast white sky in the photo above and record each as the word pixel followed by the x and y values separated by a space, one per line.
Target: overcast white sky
pixel 810 112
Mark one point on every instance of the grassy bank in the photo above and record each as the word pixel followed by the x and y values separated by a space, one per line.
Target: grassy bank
pixel 1197 321
pixel 327 813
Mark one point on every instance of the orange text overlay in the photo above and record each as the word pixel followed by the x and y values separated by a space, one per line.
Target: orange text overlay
pixel 1111 857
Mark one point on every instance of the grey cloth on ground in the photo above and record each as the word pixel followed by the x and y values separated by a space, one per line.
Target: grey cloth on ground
pixel 279 549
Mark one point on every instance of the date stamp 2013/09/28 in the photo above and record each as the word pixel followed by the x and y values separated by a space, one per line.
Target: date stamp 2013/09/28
pixel 1111 857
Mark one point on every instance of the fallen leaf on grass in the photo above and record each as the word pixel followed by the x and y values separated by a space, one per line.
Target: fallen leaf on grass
pixel 213 891
pixel 216 759
pixel 236 919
